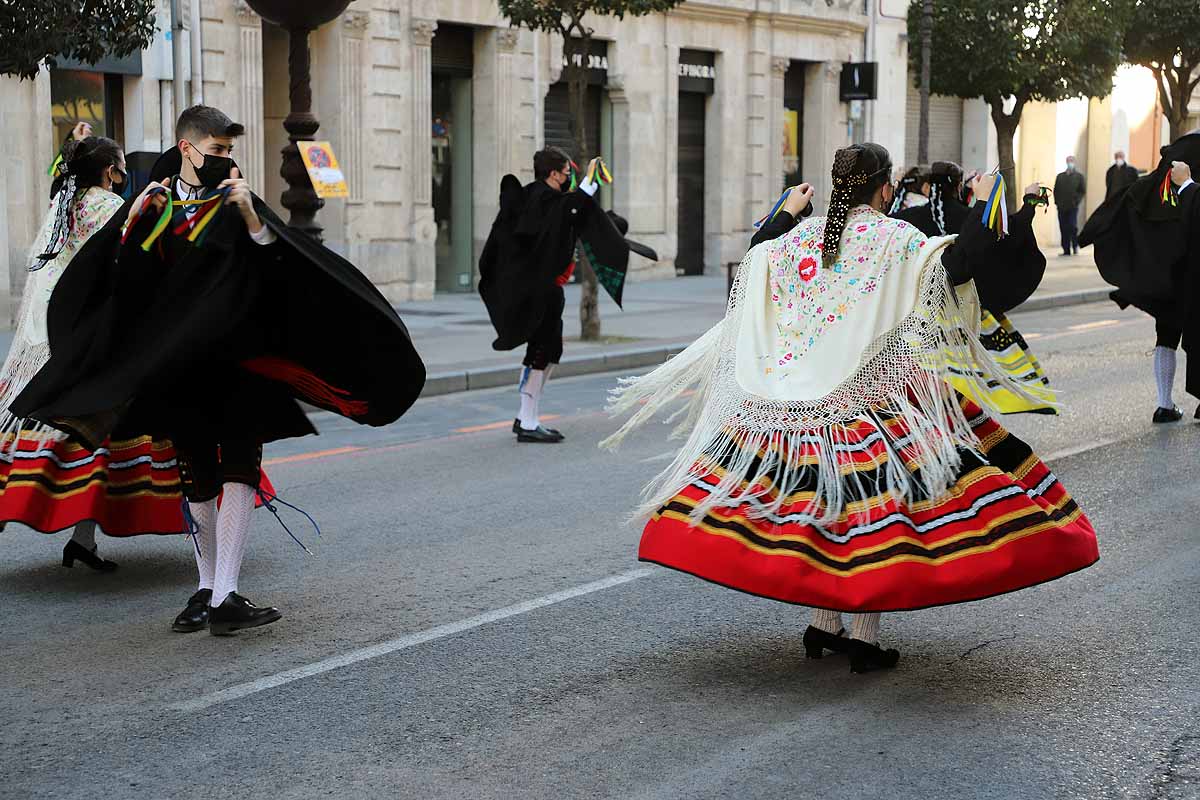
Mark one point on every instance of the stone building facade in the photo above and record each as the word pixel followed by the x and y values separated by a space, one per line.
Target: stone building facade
pixel 702 113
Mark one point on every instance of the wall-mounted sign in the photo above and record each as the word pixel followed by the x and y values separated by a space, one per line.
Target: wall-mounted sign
pixel 597 62
pixel 858 81
pixel 323 170
pixel 697 71
pixel 594 61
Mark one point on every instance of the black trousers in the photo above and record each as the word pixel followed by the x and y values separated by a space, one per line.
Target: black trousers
pixel 1068 223
pixel 207 463
pixel 1167 336
pixel 545 346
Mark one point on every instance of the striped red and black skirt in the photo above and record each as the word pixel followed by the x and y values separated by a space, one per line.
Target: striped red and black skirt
pixel 127 487
pixel 1005 524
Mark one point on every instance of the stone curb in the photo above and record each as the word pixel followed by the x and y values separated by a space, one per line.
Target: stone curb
pixel 454 381
pixel 1063 299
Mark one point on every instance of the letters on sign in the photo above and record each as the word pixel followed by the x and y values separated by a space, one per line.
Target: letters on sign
pixel 705 71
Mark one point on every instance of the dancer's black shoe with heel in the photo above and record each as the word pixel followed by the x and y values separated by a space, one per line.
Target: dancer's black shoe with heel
pixel 866 657
pixel 74 551
pixel 817 641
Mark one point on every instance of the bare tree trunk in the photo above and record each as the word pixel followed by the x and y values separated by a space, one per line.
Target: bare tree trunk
pixel 926 58
pixel 1006 131
pixel 577 48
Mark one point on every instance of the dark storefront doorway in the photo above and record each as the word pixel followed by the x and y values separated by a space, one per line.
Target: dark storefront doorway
pixel 696 83
pixel 793 123
pixel 453 66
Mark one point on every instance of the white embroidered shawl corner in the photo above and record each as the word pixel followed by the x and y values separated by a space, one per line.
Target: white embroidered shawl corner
pixel 804 351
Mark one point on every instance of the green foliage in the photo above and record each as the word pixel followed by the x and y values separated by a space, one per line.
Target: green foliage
pixel 1163 35
pixel 1046 50
pixel 563 15
pixel 1162 30
pixel 36 31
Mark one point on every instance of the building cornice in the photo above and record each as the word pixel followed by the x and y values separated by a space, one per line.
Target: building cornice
pixel 718 12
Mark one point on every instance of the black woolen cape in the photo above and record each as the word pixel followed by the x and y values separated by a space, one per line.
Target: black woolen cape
pixel 1140 245
pixel 224 338
pixel 532 242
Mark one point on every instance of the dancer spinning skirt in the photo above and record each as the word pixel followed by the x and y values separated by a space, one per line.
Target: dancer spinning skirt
pixel 129 485
pixel 828 460
pixel 1009 274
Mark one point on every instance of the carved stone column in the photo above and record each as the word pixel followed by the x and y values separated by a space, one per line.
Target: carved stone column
pixel 250 95
pixel 354 27
pixel 506 46
pixel 424 230
pixel 779 68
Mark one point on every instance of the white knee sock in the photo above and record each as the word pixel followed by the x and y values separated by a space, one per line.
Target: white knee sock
pixel 828 621
pixel 865 628
pixel 533 383
pixel 85 534
pixel 205 545
pixel 1164 375
pixel 233 527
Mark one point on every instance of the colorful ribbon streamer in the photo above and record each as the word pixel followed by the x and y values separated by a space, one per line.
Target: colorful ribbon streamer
pixel 54 167
pixel 159 226
pixel 1167 191
pixel 774 210
pixel 598 172
pixel 995 213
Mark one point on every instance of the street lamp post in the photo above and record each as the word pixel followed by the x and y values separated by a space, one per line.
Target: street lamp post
pixel 299 20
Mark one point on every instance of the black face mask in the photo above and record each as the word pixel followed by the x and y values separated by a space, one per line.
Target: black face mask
pixel 213 170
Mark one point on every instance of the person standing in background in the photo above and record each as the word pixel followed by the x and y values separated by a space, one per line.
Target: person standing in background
pixel 1070 187
pixel 1119 175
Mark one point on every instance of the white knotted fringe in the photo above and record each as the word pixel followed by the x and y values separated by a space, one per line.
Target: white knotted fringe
pixel 757 443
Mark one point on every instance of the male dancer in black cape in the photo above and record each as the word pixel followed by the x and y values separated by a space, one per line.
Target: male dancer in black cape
pixel 529 257
pixel 212 342
pixel 1145 238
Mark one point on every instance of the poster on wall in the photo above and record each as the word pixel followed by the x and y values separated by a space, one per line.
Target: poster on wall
pixel 323 170
pixel 791 140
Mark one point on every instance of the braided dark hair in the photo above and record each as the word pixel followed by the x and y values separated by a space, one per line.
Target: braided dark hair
pixel 910 182
pixel 858 172
pixel 83 167
pixel 945 178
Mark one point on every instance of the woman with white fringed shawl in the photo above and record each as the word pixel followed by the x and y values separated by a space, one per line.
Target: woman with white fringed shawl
pixel 828 460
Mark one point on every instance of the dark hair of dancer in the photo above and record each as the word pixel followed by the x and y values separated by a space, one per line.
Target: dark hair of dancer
pixel 910 182
pixel 551 159
pixel 945 179
pixel 83 167
pixel 858 172
pixel 200 122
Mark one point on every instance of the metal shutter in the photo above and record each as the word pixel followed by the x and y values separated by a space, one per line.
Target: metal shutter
pixel 945 128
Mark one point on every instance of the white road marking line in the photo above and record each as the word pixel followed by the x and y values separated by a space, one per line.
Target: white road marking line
pixel 1074 451
pixel 404 642
pixel 1087 326
pixel 659 457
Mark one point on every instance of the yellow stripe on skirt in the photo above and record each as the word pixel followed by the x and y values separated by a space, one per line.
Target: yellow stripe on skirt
pixel 1010 351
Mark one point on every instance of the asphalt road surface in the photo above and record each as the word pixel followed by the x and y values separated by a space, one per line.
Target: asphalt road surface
pixel 474 624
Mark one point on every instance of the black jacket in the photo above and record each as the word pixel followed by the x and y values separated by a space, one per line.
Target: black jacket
pixel 1069 189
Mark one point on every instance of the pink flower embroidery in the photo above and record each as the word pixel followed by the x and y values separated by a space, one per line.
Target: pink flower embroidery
pixel 861 229
pixel 808 268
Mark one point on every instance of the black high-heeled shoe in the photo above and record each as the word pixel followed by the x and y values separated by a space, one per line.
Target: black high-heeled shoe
pixel 866 657
pixel 817 641
pixel 74 551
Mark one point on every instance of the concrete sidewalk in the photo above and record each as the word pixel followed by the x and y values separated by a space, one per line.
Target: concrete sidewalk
pixel 660 318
